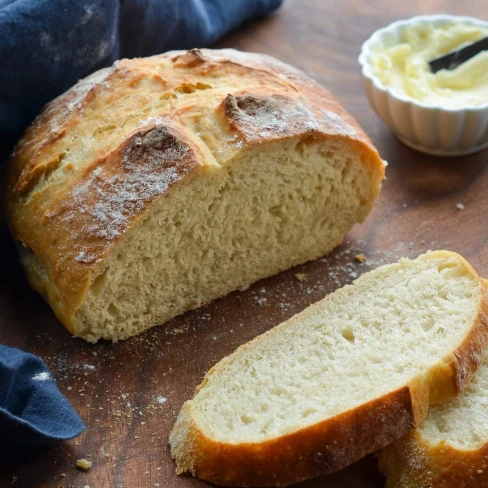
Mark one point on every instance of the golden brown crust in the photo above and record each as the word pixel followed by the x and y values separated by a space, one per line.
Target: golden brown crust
pixel 62 179
pixel 256 117
pixel 102 204
pixel 412 462
pixel 330 445
pixel 317 450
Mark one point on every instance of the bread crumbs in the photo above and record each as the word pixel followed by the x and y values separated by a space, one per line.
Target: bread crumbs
pixel 301 277
pixel 83 464
pixel 360 258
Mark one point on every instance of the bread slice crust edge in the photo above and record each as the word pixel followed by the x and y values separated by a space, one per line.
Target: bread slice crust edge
pixel 413 462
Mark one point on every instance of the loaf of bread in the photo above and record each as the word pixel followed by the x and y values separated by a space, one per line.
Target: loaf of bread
pixel 158 185
pixel 345 377
pixel 449 449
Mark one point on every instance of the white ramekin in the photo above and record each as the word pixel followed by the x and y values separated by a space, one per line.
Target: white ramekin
pixel 431 129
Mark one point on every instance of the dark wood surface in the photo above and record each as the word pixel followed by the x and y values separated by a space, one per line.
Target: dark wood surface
pixel 116 387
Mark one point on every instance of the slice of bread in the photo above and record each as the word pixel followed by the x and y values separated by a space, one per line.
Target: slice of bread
pixel 347 376
pixel 449 449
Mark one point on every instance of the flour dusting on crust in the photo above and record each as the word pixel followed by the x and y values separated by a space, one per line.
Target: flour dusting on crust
pixel 121 186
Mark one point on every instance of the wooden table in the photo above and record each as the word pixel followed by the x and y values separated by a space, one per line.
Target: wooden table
pixel 129 393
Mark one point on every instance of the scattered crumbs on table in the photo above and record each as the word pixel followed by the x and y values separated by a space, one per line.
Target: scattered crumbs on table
pixel 119 406
pixel 460 206
pixel 83 464
pixel 361 258
pixel 62 475
pixel 95 353
pixel 301 276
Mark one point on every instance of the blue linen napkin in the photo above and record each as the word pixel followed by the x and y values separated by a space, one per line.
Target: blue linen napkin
pixel 47 45
pixel 32 410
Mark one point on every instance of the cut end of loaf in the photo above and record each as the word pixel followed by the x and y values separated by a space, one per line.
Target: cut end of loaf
pixel 345 377
pixel 268 210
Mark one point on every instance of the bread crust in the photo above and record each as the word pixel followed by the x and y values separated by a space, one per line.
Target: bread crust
pixel 413 462
pixel 69 216
pixel 308 453
pixel 331 445
pixel 59 210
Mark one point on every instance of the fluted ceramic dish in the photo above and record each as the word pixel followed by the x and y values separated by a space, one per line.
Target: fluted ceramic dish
pixel 431 129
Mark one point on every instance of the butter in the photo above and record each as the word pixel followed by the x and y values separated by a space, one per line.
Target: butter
pixel 404 67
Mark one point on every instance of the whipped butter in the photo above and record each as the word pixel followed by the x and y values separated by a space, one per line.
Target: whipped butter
pixel 404 67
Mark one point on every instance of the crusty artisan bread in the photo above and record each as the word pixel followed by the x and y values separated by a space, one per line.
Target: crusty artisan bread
pixel 162 183
pixel 347 376
pixel 450 447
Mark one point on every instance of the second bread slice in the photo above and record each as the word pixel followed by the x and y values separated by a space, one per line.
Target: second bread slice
pixel 450 448
pixel 345 377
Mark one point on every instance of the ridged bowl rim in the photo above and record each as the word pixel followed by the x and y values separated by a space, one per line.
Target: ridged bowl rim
pixel 376 36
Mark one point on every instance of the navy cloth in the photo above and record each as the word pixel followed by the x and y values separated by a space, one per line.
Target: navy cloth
pixel 47 45
pixel 32 410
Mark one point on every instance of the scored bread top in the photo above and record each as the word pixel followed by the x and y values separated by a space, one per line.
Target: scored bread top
pixel 93 161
